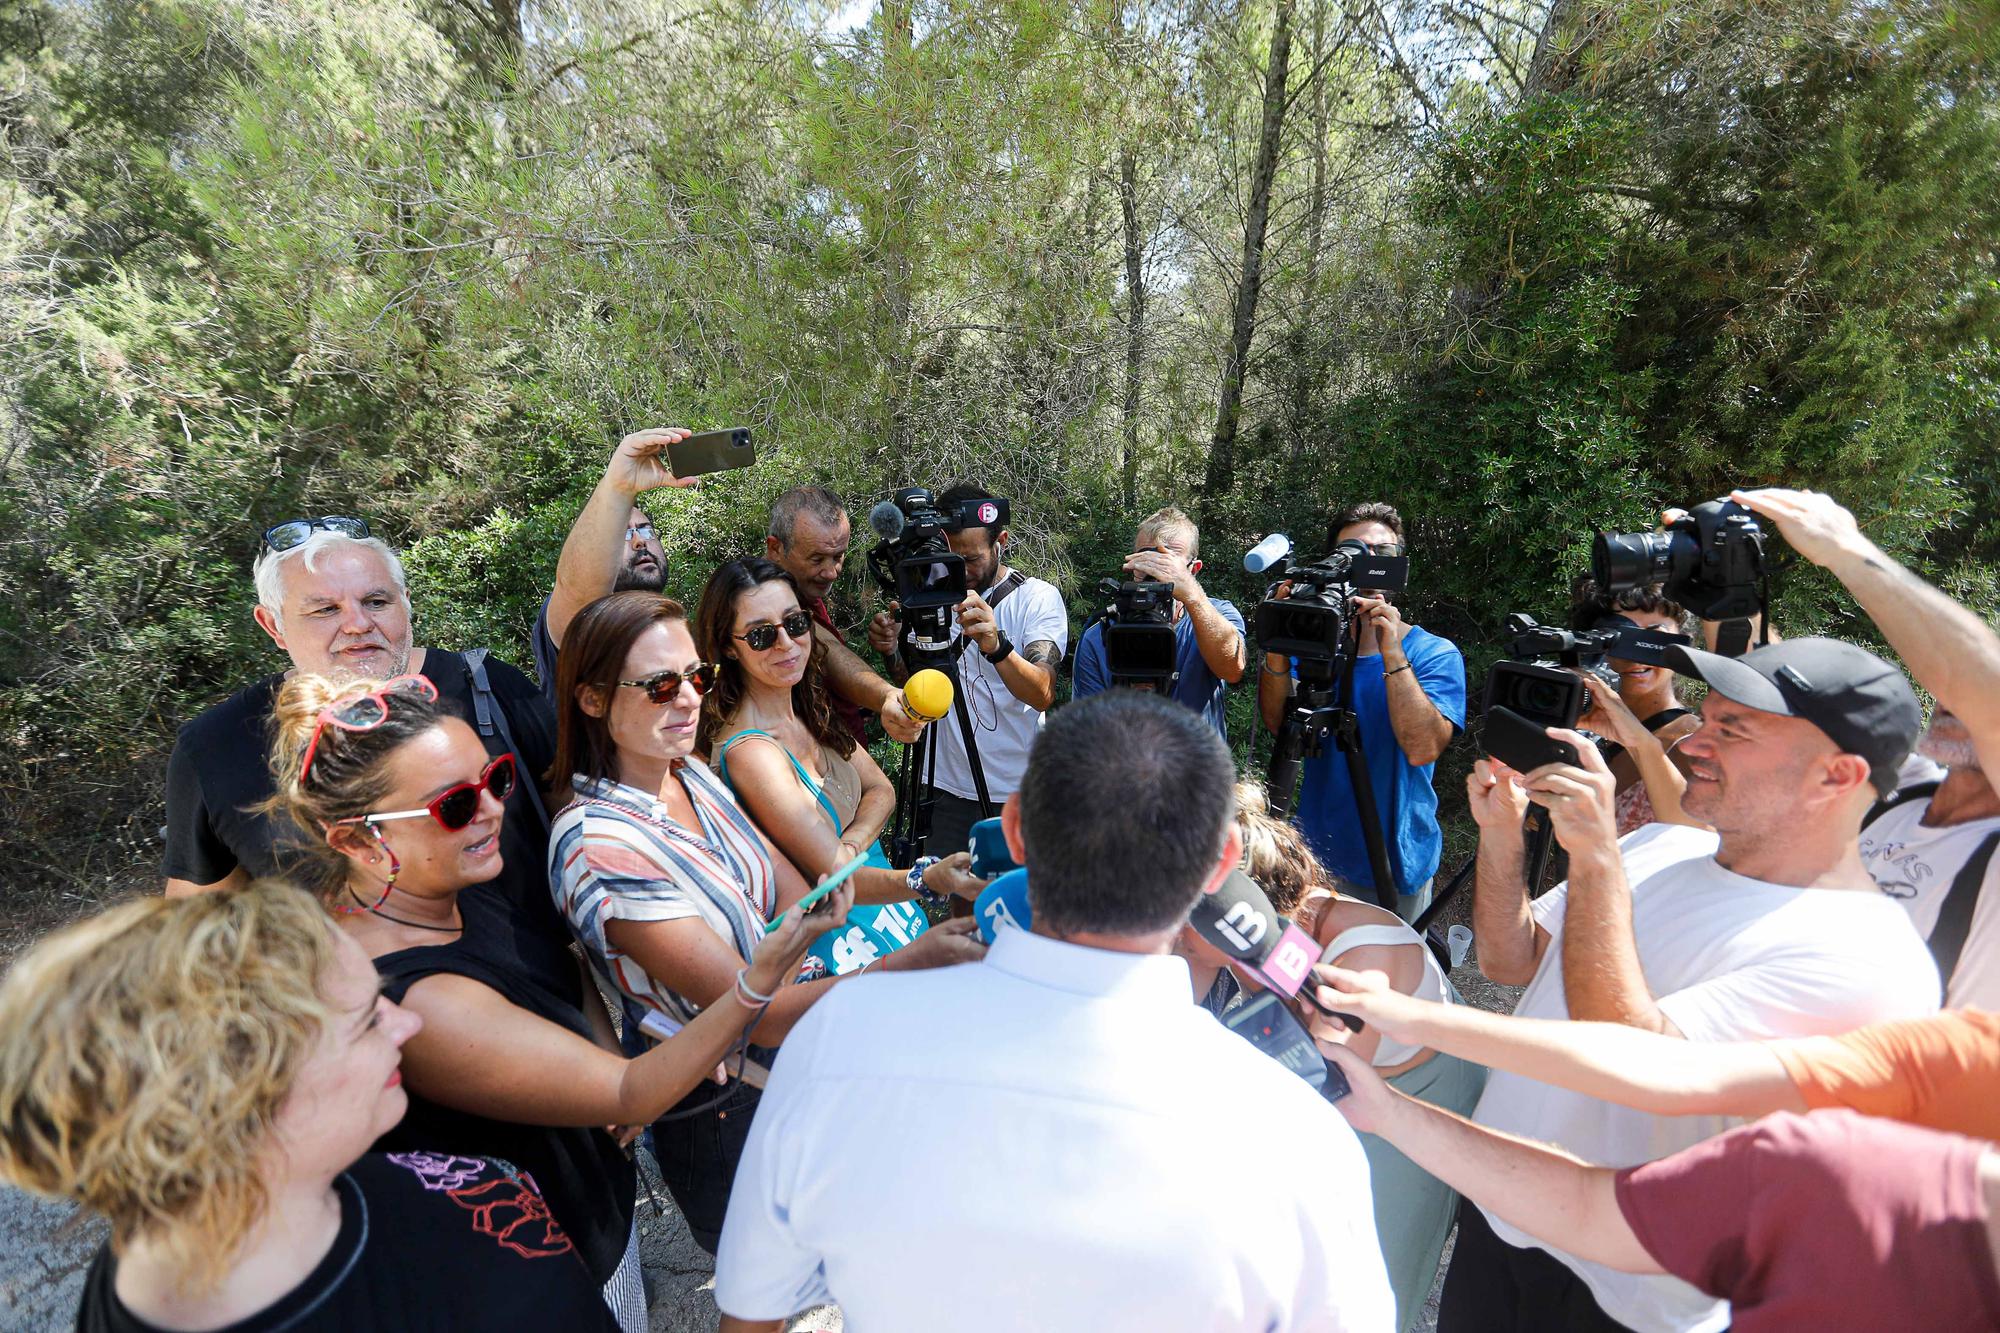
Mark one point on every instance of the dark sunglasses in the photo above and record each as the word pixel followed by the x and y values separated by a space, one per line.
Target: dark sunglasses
pixel 454 807
pixel 662 686
pixel 294 531
pixel 797 625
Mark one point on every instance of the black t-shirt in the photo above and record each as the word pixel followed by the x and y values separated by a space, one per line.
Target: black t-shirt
pixel 426 1242
pixel 220 772
pixel 589 1182
pixel 545 653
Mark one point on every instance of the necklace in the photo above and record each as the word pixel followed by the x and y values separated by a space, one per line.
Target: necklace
pixel 413 925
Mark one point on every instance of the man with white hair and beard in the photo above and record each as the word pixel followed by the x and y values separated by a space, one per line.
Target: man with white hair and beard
pixel 332 597
pixel 1930 844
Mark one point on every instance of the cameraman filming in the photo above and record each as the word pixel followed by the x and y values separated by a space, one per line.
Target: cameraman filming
pixel 1018 629
pixel 1409 700
pixel 1209 652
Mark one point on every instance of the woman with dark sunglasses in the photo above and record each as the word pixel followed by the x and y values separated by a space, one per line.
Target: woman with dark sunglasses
pixel 769 729
pixel 516 1060
pixel 666 880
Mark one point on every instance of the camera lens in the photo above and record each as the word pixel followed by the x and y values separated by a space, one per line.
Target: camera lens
pixel 1621 560
pixel 1542 697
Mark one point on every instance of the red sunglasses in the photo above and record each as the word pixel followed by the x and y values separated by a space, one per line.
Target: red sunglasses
pixel 364 712
pixel 454 807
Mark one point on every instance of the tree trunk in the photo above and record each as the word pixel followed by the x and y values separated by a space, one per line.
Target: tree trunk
pixel 896 243
pixel 1229 407
pixel 1135 318
pixel 1558 52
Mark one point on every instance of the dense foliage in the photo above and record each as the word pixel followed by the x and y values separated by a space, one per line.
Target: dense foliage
pixel 1521 268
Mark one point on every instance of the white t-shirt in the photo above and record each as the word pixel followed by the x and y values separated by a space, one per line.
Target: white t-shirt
pixel 1002 726
pixel 1055 1138
pixel 1728 959
pixel 1917 866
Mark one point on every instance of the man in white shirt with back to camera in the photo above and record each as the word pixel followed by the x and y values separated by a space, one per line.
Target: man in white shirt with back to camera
pixel 1057 1137
pixel 1774 929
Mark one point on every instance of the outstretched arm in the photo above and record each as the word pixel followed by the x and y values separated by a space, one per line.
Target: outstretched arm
pixel 1608 1061
pixel 595 547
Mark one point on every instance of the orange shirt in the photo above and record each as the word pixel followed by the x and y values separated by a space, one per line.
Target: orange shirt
pixel 1942 1072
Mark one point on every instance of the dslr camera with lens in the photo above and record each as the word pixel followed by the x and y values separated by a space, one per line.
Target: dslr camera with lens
pixel 1711 561
pixel 1140 647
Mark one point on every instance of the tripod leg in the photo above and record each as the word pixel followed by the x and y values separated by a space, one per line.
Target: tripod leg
pixel 972 754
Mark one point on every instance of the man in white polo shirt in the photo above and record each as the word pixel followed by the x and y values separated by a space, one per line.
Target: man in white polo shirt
pixel 1056 1137
pixel 1774 929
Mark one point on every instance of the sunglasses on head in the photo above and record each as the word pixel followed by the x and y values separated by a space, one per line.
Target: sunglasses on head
pixel 796 624
pixel 456 806
pixel 662 686
pixel 363 712
pixel 294 531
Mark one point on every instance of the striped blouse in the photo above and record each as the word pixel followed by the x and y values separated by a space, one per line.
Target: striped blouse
pixel 615 853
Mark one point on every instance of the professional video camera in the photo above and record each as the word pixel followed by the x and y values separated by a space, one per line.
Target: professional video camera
pixel 1140 647
pixel 1711 561
pixel 1310 620
pixel 1535 688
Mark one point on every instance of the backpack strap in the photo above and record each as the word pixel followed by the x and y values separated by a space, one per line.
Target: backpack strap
pixel 1954 921
pixel 1015 578
pixel 491 718
pixel 1916 791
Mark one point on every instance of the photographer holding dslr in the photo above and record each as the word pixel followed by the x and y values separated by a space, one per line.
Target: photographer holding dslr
pixel 1208 653
pixel 1409 702
pixel 1017 628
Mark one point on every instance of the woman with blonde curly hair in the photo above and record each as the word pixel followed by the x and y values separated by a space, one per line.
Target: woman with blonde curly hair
pixel 516 1058
pixel 1413 1209
pixel 207 1073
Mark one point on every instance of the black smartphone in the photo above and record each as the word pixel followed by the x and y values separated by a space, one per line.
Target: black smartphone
pixel 712 451
pixel 1524 745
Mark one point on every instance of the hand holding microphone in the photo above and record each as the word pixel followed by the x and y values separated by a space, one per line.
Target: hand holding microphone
pixel 927 696
pixel 1238 920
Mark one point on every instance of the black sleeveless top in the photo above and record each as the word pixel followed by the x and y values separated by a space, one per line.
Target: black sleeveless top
pixel 588 1181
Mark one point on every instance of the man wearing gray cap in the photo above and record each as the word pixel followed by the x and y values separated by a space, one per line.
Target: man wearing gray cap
pixel 1770 926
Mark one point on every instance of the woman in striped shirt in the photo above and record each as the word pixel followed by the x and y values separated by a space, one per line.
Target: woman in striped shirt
pixel 666 881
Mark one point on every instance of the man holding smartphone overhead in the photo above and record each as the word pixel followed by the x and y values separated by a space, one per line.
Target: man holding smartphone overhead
pixel 612 547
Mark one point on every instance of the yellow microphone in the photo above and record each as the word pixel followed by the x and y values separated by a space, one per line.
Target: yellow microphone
pixel 927 695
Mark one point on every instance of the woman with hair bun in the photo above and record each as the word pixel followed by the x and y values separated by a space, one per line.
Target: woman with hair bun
pixel 516 1058
pixel 207 1073
pixel 1414 1210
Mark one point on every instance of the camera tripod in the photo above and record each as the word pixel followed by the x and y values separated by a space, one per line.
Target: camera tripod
pixel 916 779
pixel 1323 707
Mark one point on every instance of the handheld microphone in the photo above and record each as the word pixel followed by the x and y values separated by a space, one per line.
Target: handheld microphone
pixel 927 695
pixel 1003 905
pixel 1266 553
pixel 886 519
pixel 1238 919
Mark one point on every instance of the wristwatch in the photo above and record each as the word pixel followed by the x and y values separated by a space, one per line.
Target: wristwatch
pixel 1001 650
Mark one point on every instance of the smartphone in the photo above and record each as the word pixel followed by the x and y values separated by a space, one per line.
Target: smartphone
pixel 990 856
pixel 1524 745
pixel 833 881
pixel 712 451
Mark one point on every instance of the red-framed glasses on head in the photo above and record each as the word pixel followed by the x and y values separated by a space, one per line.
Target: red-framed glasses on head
pixel 457 805
pixel 362 712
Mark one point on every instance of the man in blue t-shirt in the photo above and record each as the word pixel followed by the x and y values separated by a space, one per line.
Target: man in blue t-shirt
pixel 1208 634
pixel 1409 699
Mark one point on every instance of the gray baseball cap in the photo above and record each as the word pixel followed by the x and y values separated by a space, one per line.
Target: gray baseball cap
pixel 1861 702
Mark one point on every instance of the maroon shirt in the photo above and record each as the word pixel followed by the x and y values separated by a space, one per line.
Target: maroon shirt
pixel 1822 1221
pixel 851 715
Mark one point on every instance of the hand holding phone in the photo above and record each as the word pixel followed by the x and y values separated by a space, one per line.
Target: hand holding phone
pixel 712 451
pixel 809 904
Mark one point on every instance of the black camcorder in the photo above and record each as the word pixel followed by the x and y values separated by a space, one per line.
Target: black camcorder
pixel 1711 561
pixel 1538 687
pixel 1310 619
pixel 1140 647
pixel 913 562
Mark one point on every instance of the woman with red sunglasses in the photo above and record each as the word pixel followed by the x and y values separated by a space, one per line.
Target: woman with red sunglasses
pixel 516 1060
